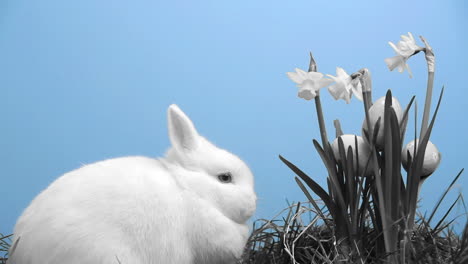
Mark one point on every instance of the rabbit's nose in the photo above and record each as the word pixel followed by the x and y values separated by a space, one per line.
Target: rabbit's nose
pixel 249 210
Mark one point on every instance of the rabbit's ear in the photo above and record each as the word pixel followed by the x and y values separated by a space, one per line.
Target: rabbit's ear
pixel 182 132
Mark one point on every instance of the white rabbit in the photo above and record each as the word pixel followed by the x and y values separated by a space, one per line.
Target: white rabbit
pixel 189 207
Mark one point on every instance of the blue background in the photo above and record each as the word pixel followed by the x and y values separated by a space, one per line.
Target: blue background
pixel 83 81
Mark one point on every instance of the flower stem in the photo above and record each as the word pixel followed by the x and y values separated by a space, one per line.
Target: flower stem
pixel 427 105
pixel 318 106
pixel 321 121
pixel 366 84
pixel 430 59
pixel 367 105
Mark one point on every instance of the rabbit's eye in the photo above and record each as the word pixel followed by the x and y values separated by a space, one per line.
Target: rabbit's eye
pixel 225 177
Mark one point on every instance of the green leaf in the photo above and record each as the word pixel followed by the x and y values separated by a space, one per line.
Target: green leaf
pixel 443 196
pixel 313 202
pixel 396 166
pixel 388 150
pixel 351 189
pixel 312 185
pixel 342 163
pixel 336 188
pixel 404 119
pixel 349 177
pixel 446 213
pixel 416 166
pixel 332 176
pixel 391 199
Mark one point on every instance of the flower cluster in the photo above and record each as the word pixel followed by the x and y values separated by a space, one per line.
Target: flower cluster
pixel 343 86
pixel 310 83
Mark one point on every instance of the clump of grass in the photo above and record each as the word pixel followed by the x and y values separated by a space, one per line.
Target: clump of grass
pixel 299 234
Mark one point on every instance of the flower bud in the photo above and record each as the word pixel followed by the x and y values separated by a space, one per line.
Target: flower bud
pixel 363 152
pixel 366 80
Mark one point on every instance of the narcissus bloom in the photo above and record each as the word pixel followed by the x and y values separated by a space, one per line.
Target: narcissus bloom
pixel 405 48
pixel 344 86
pixel 308 82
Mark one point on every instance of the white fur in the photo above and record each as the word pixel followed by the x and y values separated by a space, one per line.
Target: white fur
pixel 143 210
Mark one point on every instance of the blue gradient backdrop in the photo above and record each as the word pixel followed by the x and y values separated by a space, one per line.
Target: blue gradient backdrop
pixel 82 81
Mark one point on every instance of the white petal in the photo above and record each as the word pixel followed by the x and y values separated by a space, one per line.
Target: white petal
pixel 324 82
pixel 314 75
pixel 394 47
pixel 408 45
pixel 301 73
pixel 341 73
pixel 357 91
pixel 335 79
pixel 414 47
pixel 348 98
pixel 295 77
pixel 405 38
pixel 406 52
pixel 307 94
pixel 338 91
pixel 335 91
pixel 401 68
pixel 409 70
pixel 394 62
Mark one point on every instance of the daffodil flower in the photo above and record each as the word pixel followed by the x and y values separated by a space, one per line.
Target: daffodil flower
pixel 405 48
pixel 308 82
pixel 344 86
